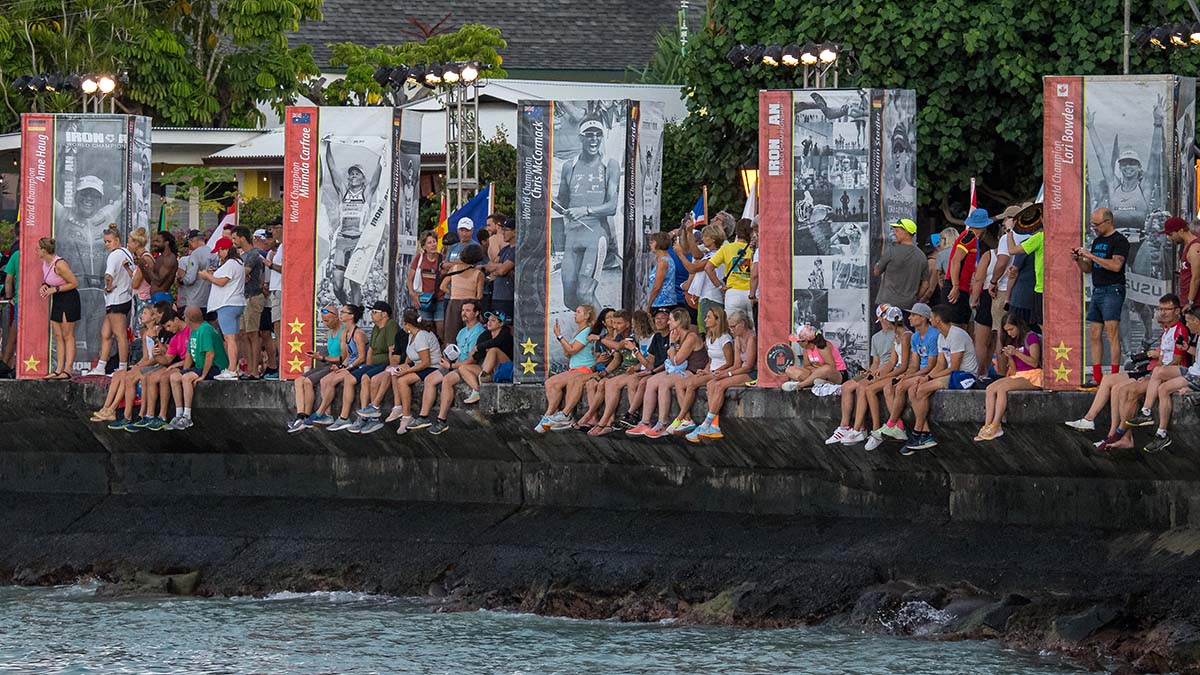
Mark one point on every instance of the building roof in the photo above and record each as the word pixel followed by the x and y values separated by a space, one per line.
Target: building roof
pixel 542 35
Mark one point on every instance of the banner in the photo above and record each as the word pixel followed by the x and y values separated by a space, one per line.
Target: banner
pixel 300 169
pixel 406 200
pixel 94 170
pixel 579 216
pixel 647 136
pixel 1122 143
pixel 839 167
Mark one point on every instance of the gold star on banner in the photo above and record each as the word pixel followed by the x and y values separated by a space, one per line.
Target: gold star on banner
pixel 1062 352
pixel 296 365
pixel 528 366
pixel 296 345
pixel 31 364
pixel 296 326
pixel 1061 373
pixel 528 346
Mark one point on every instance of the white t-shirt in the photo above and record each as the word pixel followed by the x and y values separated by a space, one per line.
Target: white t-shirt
pixel 703 288
pixel 119 266
pixel 958 341
pixel 232 294
pixel 424 340
pixel 716 352
pixel 1002 249
pixel 276 282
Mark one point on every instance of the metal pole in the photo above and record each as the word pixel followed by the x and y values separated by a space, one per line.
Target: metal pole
pixel 1125 41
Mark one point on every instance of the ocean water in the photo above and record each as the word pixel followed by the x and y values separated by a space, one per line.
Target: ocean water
pixel 69 630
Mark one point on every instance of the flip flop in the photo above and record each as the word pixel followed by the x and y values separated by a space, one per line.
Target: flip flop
pixel 604 430
pixel 62 376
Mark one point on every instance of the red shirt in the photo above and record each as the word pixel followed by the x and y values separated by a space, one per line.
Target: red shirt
pixel 1173 346
pixel 1185 272
pixel 968 242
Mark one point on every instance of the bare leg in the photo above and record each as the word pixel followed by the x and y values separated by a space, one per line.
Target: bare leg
pixel 447 391
pixel 849 398
pixel 430 390
pixel 119 325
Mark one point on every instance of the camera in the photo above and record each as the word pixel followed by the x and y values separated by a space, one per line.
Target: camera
pixel 1139 358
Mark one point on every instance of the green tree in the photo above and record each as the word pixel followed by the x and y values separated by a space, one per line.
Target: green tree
pixel 977 68
pixel 498 165
pixel 185 62
pixel 258 212
pixel 211 187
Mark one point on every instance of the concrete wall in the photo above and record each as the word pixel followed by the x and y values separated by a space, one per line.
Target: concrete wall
pixel 772 461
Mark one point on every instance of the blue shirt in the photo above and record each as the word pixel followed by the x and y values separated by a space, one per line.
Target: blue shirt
pixel 584 358
pixel 466 339
pixel 681 271
pixel 925 347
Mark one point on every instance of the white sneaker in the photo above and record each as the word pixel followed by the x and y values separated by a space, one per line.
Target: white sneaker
pixel 98 370
pixel 1082 424
pixel 894 432
pixel 837 436
pixel 397 413
pixel 472 398
pixel 855 436
pixel 790 385
pixel 226 375
pixel 404 422
pixel 874 442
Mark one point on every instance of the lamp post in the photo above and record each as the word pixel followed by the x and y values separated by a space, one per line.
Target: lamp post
pixel 749 175
pixel 817 61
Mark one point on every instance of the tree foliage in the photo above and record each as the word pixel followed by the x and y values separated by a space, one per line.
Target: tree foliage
pixel 977 68
pixel 498 165
pixel 471 42
pixel 257 212
pixel 211 186
pixel 186 62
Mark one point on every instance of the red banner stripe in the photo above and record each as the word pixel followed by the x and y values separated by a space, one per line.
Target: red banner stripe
pixel 37 217
pixel 301 171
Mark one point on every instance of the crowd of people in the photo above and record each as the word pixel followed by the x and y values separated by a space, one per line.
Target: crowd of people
pixel 962 312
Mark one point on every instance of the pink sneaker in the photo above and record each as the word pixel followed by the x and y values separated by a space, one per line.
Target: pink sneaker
pixel 639 430
pixel 657 431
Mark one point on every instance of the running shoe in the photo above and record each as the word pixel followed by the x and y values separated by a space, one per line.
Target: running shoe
pixel 97 371
pixel 180 423
pixel 226 375
pixel 699 433
pixel 419 423
pixel 874 442
pixel 396 413
pixel 854 436
pixel 324 420
pixel 657 431
pixel 837 436
pixel 565 425
pixel 1082 424
pixel 341 423
pixel 675 423
pixel 438 427
pixel 1140 420
pixel 142 422
pixel 156 424
pixel 472 398
pixel 713 433
pixel 404 422
pixel 639 429
pixel 629 420
pixel 370 427
pixel 685 426
pixel 296 425
pixel 369 411
pixel 542 424
pixel 357 426
pixel 1159 444
pixel 120 423
pixel 790 385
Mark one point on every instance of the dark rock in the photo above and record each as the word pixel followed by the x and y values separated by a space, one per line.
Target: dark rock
pixel 934 596
pixel 183 584
pixel 1076 628
pixel 723 608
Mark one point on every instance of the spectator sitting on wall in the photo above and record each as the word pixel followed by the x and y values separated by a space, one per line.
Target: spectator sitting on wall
pixel 205 358
pixel 383 381
pixel 458 355
pixel 820 361
pixel 956 370
pixel 883 360
pixel 1172 354
pixel 620 357
pixel 1161 388
pixel 383 335
pixel 306 386
pixel 686 356
pixel 153 346
pixel 493 349
pixel 652 351
pixel 423 357
pixel 742 370
pixel 581 359
pixel 156 385
pixel 501 266
pixel 923 358
pixel 1021 358
pixel 227 299
pixel 354 353
pixel 123 384
pixel 718 344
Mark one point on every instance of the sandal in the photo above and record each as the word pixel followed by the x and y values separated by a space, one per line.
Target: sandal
pixel 59 376
pixel 601 430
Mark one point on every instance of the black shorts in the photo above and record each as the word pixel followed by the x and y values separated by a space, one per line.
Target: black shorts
pixel 962 308
pixel 66 306
pixel 264 321
pixel 212 373
pixel 123 308
pixel 426 372
pixel 210 317
pixel 983 313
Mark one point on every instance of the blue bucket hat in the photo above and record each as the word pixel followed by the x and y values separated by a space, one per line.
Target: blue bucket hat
pixel 978 219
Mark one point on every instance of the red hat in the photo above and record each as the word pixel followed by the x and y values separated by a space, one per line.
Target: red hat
pixel 1174 224
pixel 222 244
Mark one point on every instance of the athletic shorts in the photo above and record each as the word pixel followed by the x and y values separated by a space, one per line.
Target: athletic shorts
pixel 961 380
pixel 66 307
pixel 343 248
pixel 359 372
pixel 426 372
pixel 962 308
pixel 983 313
pixel 1034 375
pixel 229 319
pixel 253 314
pixel 1106 303
pixel 999 308
pixel 1193 381
pixel 123 308
pixel 212 372
pixel 314 375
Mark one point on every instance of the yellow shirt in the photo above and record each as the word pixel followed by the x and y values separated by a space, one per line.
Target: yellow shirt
pixel 739 279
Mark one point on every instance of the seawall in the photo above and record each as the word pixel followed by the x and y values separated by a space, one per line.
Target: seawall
pixel 766 527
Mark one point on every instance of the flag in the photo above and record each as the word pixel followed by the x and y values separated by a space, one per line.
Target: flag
pixel 750 211
pixel 162 217
pixel 974 202
pixel 1041 194
pixel 230 220
pixel 478 208
pixel 700 210
pixel 442 227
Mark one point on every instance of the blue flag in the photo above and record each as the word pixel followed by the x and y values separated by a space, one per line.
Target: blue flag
pixel 700 210
pixel 474 211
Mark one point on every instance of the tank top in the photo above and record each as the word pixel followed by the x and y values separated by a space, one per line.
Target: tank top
pixel 143 291
pixel 354 209
pixel 1185 270
pixel 716 352
pixel 335 346
pixel 51 277
pixel 696 360
pixel 588 187
pixel 813 356
pixel 352 346
pixel 1129 207
pixel 666 295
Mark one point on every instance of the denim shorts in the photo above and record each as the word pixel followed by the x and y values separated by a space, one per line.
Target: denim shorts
pixel 1106 303
pixel 438 313
pixel 229 319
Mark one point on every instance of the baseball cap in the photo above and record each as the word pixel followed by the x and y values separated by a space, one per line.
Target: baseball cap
pixel 90 183
pixel 508 225
pixel 591 125
pixel 893 314
pixel 1129 156
pixel 804 332
pixel 260 234
pixel 500 316
pixel 222 244
pixel 381 306
pixel 1174 224
pixel 195 234
pixel 906 225
pixel 466 223
pixel 921 309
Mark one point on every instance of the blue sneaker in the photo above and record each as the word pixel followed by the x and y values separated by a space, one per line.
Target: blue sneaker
pixel 369 412
pixel 698 434
pixel 271 375
pixel 132 428
pixel 142 422
pixel 323 420
pixel 371 427
pixel 341 423
pixel 307 422
pixel 156 424
pixel 120 424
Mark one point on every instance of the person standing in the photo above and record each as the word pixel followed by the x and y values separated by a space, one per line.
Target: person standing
pixel 902 269
pixel 255 301
pixel 661 282
pixel 1177 231
pixel 737 258
pixel 275 298
pixel 500 269
pixel 164 269
pixel 228 300
pixel 118 302
pixel 961 270
pixel 12 267
pixel 1106 263
pixel 193 291
pixel 61 287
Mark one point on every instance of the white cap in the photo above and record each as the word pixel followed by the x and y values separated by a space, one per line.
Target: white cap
pixel 466 223
pixel 90 183
pixel 260 234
